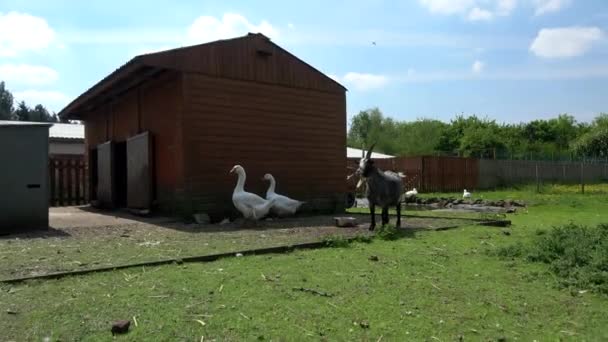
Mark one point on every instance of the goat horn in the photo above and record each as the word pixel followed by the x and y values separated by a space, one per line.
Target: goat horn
pixel 369 152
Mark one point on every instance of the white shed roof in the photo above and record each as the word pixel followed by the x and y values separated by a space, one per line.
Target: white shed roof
pixel 58 130
pixel 356 153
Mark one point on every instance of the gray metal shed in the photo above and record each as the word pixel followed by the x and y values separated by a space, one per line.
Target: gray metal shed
pixel 24 199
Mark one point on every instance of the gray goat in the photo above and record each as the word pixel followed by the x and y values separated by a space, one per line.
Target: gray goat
pixel 383 189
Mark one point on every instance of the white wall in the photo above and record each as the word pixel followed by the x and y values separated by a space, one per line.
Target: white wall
pixel 66 148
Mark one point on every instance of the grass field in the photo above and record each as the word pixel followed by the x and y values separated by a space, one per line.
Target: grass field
pixel 425 286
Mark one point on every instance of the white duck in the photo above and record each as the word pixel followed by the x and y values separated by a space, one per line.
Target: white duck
pixel 252 206
pixel 283 205
pixel 466 194
pixel 411 193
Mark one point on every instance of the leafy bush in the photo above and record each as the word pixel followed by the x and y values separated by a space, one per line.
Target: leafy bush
pixel 578 255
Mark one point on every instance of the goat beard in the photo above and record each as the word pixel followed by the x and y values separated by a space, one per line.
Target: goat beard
pixel 359 183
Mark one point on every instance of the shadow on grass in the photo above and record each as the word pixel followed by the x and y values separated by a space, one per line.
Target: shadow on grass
pixel 37 234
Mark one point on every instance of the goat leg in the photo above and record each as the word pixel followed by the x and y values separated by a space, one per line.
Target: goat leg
pixel 399 215
pixel 384 216
pixel 372 211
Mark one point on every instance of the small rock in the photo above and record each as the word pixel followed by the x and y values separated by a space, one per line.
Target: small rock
pixel 364 324
pixel 11 312
pixel 345 221
pixel 201 218
pixel 373 258
pixel 120 327
pixel 239 255
pixel 510 210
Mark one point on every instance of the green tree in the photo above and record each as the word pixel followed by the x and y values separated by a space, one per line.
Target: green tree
pixel 419 137
pixel 6 103
pixel 22 113
pixel 41 114
pixel 370 126
pixel 594 143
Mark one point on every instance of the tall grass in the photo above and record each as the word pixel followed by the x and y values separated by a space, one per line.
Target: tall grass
pixel 576 254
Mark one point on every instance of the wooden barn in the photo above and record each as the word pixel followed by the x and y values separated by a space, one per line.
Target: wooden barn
pixel 164 130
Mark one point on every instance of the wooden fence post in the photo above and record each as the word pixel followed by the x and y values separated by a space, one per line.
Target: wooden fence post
pixel 537 180
pixel 582 178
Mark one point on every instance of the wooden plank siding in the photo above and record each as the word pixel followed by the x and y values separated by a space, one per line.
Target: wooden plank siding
pixel 154 107
pixel 298 135
pixel 67 180
pixel 238 59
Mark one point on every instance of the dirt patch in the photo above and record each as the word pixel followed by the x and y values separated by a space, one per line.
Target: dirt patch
pixel 82 238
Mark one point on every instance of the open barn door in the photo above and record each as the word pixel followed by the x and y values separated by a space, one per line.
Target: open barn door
pixel 140 171
pixel 105 175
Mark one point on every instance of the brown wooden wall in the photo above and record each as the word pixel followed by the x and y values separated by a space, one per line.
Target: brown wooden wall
pixel 155 107
pixel 239 59
pixel 298 135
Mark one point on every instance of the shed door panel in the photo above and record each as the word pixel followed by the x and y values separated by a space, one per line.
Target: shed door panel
pixel 139 171
pixel 105 174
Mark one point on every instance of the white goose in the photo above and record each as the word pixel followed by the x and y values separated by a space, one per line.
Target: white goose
pixel 411 193
pixel 466 194
pixel 283 205
pixel 252 206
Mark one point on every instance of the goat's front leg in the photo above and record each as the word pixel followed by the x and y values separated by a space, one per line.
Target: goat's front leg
pixel 399 215
pixel 384 216
pixel 372 211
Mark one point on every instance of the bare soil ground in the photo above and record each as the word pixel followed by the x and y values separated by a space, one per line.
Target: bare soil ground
pixel 82 238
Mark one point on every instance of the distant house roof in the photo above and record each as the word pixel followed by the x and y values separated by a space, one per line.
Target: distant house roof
pixel 356 153
pixel 57 130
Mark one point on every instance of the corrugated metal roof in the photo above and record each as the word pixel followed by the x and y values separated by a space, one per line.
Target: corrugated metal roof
pixel 6 123
pixel 356 153
pixel 57 130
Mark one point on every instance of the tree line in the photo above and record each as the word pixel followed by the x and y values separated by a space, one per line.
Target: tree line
pixel 559 138
pixel 22 112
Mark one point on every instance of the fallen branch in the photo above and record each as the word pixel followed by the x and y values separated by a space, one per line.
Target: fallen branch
pixel 435 286
pixel 313 291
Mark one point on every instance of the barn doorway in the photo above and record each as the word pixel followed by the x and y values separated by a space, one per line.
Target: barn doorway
pixel 92 174
pixel 112 174
pixel 120 174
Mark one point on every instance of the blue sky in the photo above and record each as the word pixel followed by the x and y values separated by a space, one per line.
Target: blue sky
pixel 510 60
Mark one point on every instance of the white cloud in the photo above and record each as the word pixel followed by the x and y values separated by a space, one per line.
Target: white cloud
pixel 478 67
pixel 362 81
pixel 52 100
pixel 565 41
pixel 291 26
pixel 208 28
pixel 511 74
pixel 21 32
pixel 475 10
pixel 478 14
pixel 547 6
pixel 27 74
pixel 447 6
pixel 505 7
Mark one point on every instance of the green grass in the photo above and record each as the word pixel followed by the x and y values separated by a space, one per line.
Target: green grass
pixel 426 286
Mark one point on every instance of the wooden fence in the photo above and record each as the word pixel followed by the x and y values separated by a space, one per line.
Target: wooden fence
pixel 433 174
pixel 67 181
pixel 496 173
